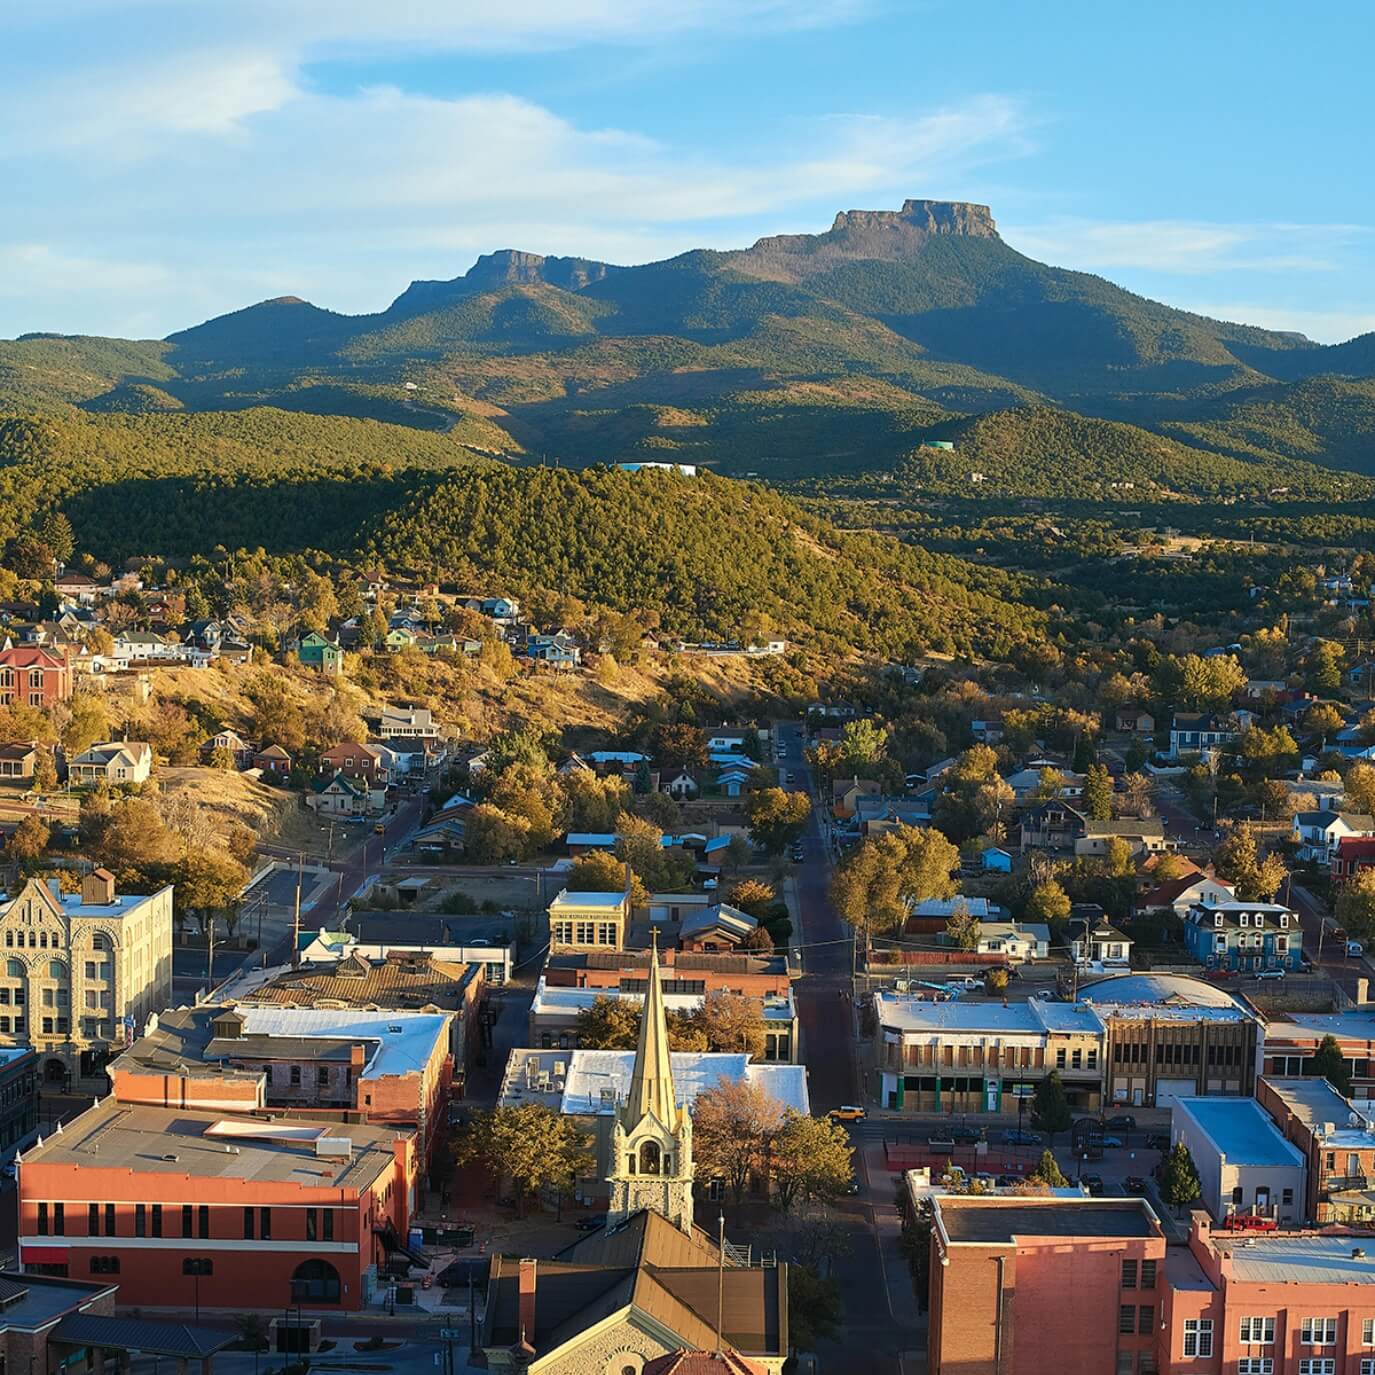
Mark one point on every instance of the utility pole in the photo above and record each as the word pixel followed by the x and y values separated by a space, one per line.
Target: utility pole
pixel 210 958
pixel 720 1278
pixel 296 920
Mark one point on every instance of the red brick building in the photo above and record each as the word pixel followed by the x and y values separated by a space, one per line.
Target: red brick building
pixel 1353 853
pixel 1026 1286
pixel 361 762
pixel 187 1206
pixel 32 676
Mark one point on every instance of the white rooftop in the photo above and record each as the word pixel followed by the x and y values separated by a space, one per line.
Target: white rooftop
pixel 776 1007
pixel 405 1040
pixel 609 901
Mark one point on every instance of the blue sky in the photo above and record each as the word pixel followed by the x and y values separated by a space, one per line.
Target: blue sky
pixel 167 160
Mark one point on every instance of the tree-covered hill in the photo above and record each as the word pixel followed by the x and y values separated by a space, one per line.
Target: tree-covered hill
pixel 714 558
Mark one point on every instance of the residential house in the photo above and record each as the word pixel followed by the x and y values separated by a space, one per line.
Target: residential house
pixel 1180 895
pixel 1026 784
pixel 557 651
pixel 1353 853
pixel 339 795
pixel 32 676
pixel 357 761
pixel 931 915
pixel 445 833
pixel 399 637
pixel 17 759
pixel 995 860
pixel 846 792
pixel 144 646
pixel 411 723
pixel 1317 833
pixel 1089 1274
pixel 77 587
pixel 314 651
pixel 273 760
pixel 1244 935
pixel 977 1057
pixel 1244 1163
pixel 1016 941
pixel 1134 720
pixel 1337 1143
pixel 232 741
pixel 112 761
pixel 1197 732
pixel 1098 943
pixel 682 784
pixel 1143 837
pixel 1051 825
pixel 719 928
pixel 407 758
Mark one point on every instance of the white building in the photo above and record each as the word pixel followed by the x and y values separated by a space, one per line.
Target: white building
pixel 1244 1164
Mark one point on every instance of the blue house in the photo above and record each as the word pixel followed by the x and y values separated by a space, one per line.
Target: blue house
pixel 1244 936
pixel 995 860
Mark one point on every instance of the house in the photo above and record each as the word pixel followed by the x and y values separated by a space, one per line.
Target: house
pixel 1058 1250
pixel 17 759
pixel 143 646
pixel 682 784
pixel 1196 732
pixel 1026 784
pixel 1142 836
pixel 273 760
pixel 412 723
pixel 720 927
pixel 314 651
pixel 1051 825
pixel 339 795
pixel 399 637
pixel 846 792
pixel 1244 935
pixel 1353 853
pixel 931 915
pixel 113 761
pixel 231 741
pixel 1134 720
pixel 1317 833
pixel 995 860
pixel 1015 941
pixel 358 761
pixel 1098 943
pixel 1181 894
pixel 445 832
pixel 583 842
pixel 1336 1141
pixel 1244 1163
pixel 32 676
pixel 77 587
pixel 557 650
pixel 409 756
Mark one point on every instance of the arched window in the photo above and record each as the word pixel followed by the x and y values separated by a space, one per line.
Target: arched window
pixel 33 939
pixel 649 1157
pixel 9 939
pixel 14 969
pixel 42 940
pixel 315 1281
pixel 100 941
pixel 57 969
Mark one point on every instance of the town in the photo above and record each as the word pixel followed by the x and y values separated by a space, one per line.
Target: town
pixel 323 1006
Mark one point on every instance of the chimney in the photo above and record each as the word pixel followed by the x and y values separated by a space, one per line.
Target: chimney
pixel 525 1300
pixel 98 888
pixel 357 1057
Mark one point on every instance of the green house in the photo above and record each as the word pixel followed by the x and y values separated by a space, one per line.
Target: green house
pixel 324 656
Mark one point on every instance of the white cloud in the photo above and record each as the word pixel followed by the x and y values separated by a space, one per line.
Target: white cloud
pixel 1326 326
pixel 1184 247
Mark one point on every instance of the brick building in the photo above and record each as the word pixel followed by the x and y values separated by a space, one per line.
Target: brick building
pixel 32 676
pixel 1002 1270
pixel 18 1098
pixel 390 1069
pixel 1292 1039
pixel 194 1206
pixel 1269 1303
pixel 78 970
pixel 1336 1141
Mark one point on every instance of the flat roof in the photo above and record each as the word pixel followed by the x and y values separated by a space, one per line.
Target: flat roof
pixel 603 900
pixel 29 1302
pixel 212 1145
pixel 575 1081
pixel 1315 1103
pixel 405 1041
pixel 557 998
pixel 976 1220
pixel 1272 1259
pixel 1357 1024
pixel 1241 1130
pixel 993 1018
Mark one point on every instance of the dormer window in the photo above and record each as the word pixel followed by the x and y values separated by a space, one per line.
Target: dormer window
pixel 1284 921
pixel 1217 920
pixel 1260 918
pixel 1246 919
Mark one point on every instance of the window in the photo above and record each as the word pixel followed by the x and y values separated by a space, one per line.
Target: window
pixel 1318 1365
pixel 322 1076
pixel 1288 1196
pixel 203 1217
pixel 109 1219
pixel 90 971
pixel 1076 1060
pixel 157 1219
pixel 1368 1332
pixel 140 1220
pixel 59 1220
pixel 1368 1365
pixel 295 1076
pixel 1126 1318
pixel 1318 1332
pixel 265 1224
pixel 57 969
pixel 93 1219
pixel 1256 1365
pixel 1060 1058
pixel 1257 1330
pixel 186 1219
pixel 1145 1319
pixel 104 1265
pixel 1148 1274
pixel 329 1224
pixel 248 1224
pixel 42 1219
pixel 1198 1337
pixel 1128 1274
pixel 311 1224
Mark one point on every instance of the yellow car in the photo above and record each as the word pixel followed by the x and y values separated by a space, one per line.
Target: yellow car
pixel 848 1112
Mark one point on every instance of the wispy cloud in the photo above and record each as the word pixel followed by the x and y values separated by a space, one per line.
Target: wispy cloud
pixel 1185 247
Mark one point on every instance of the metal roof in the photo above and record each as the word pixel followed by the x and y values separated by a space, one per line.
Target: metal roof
pixel 135 1334
pixel 1241 1131
pixel 1302 1260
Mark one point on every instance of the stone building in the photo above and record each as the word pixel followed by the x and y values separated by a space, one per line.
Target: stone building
pixel 80 971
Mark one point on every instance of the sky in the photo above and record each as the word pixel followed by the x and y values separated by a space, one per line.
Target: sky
pixel 164 161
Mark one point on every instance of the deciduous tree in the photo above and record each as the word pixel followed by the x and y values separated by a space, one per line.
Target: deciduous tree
pixel 811 1160
pixel 733 1126
pixel 534 1146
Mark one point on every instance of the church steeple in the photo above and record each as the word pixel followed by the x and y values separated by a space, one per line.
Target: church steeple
pixel 651 1141
pixel 651 1086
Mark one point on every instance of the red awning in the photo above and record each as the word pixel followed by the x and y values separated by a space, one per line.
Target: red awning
pixel 43 1255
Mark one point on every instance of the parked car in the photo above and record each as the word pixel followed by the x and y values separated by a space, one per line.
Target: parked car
pixel 966 983
pixel 847 1112
pixel 1009 1181
pixel 1134 1184
pixel 1158 1141
pixel 1274 975
pixel 1219 974
pixel 1354 950
pixel 1123 1122
pixel 1015 1136
pixel 458 1273
pixel 1093 1183
pixel 1112 1143
pixel 1250 1222
pixel 965 1133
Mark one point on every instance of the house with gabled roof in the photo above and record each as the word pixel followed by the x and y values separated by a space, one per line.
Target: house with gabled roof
pixel 1318 833
pixel 338 796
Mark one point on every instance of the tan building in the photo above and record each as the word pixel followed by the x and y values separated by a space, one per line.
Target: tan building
pixel 588 921
pixel 81 970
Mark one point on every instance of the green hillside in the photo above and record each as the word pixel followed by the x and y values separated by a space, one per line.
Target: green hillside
pixel 714 558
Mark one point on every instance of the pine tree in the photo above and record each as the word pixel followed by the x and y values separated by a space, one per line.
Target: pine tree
pixel 1098 793
pixel 1050 1107
pixel 1179 1183
pixel 1048 1171
pixel 56 533
pixel 1329 1062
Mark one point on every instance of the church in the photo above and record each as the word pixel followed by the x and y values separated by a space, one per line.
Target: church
pixel 652 1286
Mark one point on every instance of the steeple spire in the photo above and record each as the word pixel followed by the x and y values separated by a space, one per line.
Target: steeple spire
pixel 651 1085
